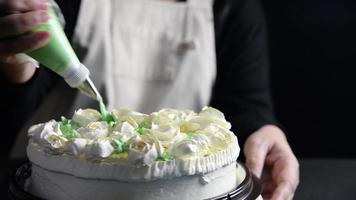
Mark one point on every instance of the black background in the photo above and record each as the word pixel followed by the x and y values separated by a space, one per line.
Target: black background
pixel 313 61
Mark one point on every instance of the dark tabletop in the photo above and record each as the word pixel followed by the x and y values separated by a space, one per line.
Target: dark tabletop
pixel 319 178
pixel 327 179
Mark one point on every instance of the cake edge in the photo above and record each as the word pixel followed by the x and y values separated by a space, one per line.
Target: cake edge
pixel 126 172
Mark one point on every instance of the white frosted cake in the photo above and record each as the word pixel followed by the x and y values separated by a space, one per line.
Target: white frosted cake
pixel 169 154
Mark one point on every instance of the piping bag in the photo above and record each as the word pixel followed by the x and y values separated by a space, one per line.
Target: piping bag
pixel 59 56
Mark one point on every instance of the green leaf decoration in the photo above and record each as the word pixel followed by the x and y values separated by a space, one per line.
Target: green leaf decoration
pixel 190 135
pixel 68 128
pixel 142 128
pixel 112 124
pixel 120 146
pixel 145 125
pixel 166 156
pixel 109 118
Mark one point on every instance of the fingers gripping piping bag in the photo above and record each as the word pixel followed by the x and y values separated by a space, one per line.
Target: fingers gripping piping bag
pixel 59 56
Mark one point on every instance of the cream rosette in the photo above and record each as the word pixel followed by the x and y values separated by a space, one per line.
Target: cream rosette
pixel 209 116
pixel 124 132
pixel 219 137
pixel 186 148
pixel 76 147
pixel 167 134
pixel 170 116
pixel 129 116
pixel 99 149
pixel 86 116
pixel 48 134
pixel 189 126
pixel 197 145
pixel 94 130
pixel 144 150
pixel 170 126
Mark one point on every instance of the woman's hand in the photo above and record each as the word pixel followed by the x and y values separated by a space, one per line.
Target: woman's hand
pixel 16 18
pixel 269 157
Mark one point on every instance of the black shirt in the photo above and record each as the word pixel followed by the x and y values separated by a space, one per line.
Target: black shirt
pixel 241 90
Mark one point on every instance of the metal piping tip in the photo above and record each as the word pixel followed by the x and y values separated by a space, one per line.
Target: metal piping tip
pixel 88 88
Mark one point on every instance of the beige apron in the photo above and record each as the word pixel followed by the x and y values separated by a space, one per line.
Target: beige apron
pixel 153 53
pixel 144 55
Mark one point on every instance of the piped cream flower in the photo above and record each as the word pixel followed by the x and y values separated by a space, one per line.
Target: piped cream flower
pixel 218 136
pixel 55 140
pixel 94 130
pixel 48 134
pixel 167 134
pixel 214 116
pixel 126 115
pixel 86 116
pixel 144 150
pixel 76 147
pixel 170 116
pixel 100 148
pixel 185 148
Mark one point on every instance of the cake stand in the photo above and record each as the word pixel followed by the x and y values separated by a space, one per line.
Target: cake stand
pixel 249 189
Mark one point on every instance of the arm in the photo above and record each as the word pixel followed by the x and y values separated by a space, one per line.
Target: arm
pixel 19 102
pixel 242 92
pixel 16 75
pixel 241 89
pixel 23 86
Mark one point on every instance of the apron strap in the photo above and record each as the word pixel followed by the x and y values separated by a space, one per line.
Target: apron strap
pixel 200 2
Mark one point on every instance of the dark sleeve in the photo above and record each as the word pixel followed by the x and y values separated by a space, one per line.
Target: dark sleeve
pixel 241 89
pixel 19 101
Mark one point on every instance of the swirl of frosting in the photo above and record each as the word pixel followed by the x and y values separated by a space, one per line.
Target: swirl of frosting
pixel 100 148
pixel 86 116
pixel 48 134
pixel 167 134
pixel 153 140
pixel 144 150
pixel 35 130
pixel 218 136
pixel 126 115
pixel 185 148
pixel 124 132
pixel 189 126
pixel 170 116
pixel 76 147
pixel 94 130
pixel 210 115
pixel 126 128
pixel 198 145
pixel 202 140
pixel 55 140
pixel 122 136
pixel 224 133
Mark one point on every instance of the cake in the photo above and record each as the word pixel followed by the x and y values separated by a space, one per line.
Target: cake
pixel 169 154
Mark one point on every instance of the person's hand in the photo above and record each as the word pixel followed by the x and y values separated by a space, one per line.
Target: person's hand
pixel 16 18
pixel 269 157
